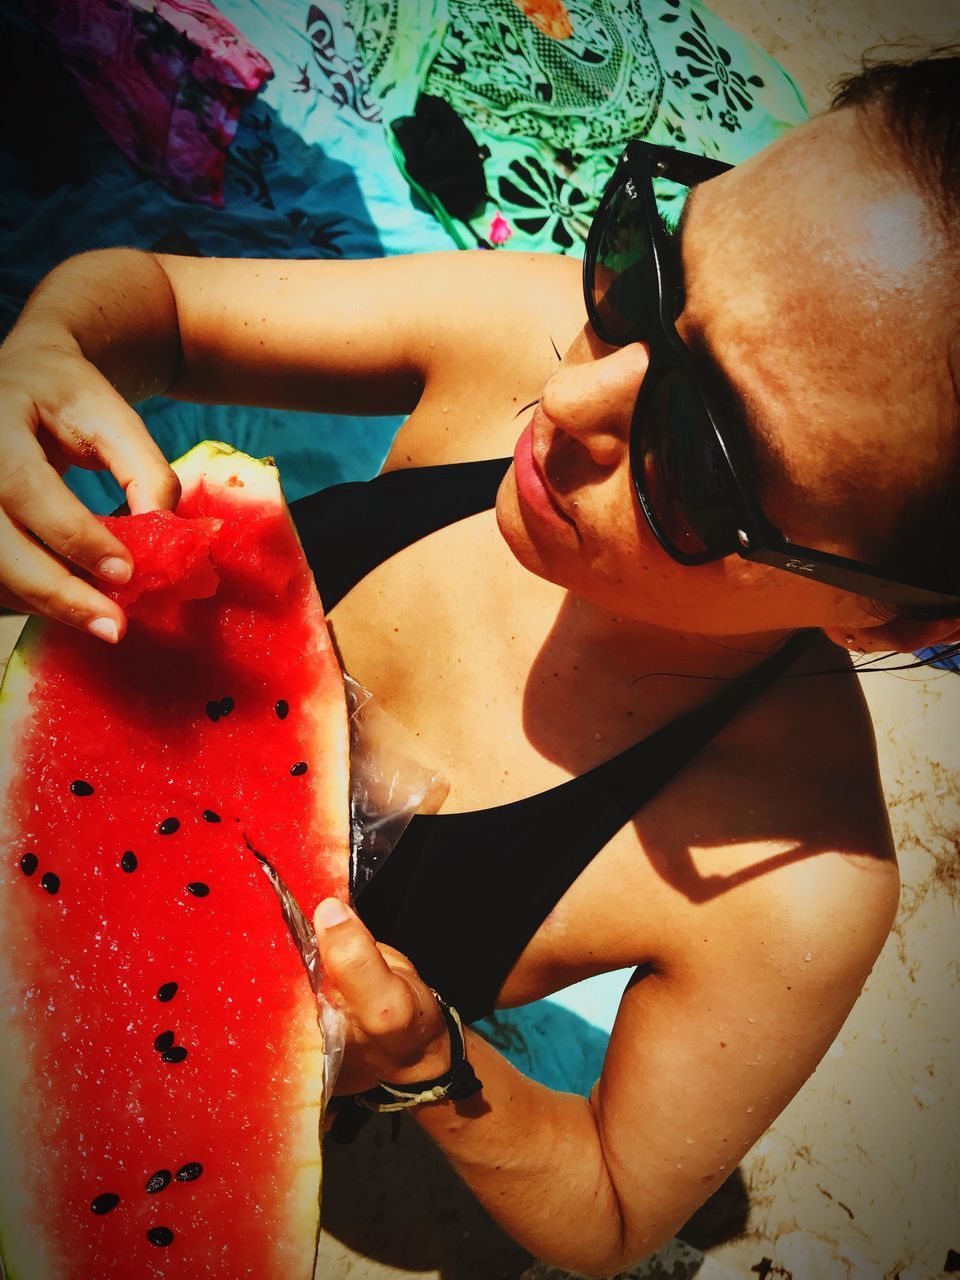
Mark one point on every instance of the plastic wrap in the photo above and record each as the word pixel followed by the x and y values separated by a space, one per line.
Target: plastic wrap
pixel 331 1020
pixel 389 781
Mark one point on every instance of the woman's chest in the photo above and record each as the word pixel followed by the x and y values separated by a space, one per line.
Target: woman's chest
pixel 474 656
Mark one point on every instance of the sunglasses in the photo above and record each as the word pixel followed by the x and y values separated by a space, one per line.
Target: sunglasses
pixel 690 476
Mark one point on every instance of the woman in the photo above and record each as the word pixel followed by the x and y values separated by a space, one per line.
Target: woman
pixel 740 859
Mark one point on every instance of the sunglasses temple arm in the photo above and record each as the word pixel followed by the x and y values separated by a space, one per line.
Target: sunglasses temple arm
pixel 849 575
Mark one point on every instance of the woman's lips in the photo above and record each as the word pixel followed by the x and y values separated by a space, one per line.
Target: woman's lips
pixel 531 486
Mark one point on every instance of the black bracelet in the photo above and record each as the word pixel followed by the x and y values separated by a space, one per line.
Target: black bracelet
pixel 457 1083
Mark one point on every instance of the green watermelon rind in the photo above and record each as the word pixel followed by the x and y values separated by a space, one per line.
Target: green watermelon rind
pixel 22 1250
pixel 23 1253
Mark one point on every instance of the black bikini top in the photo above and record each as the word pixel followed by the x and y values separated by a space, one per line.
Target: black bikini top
pixel 463 893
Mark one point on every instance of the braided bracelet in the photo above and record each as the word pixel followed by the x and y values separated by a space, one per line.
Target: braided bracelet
pixel 460 1081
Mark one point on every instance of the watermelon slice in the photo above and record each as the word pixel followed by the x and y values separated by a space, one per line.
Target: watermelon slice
pixel 161 1065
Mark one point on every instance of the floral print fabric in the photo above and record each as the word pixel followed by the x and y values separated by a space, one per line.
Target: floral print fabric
pixel 167 80
pixel 551 92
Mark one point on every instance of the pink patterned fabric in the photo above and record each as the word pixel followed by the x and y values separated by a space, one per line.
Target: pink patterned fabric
pixel 167 80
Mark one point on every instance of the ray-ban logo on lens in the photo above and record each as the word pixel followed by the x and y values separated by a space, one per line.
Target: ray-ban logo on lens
pixel 799 566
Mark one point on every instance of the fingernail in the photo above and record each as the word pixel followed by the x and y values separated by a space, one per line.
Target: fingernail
pixel 331 911
pixel 114 569
pixel 104 629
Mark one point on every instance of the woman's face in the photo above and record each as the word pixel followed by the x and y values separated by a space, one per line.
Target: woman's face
pixel 815 278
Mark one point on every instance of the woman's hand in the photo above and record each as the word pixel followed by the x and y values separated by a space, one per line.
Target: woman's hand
pixel 57 411
pixel 395 1029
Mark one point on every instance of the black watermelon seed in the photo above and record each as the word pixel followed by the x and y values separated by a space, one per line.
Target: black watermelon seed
pixel 189 1172
pixel 282 709
pixel 50 882
pixel 168 826
pixel 198 888
pixel 129 861
pixel 299 769
pixel 160 1236
pixel 164 1041
pixel 213 711
pixel 158 1181
pixel 28 864
pixel 226 706
pixel 176 1054
pixel 81 788
pixel 167 992
pixel 210 816
pixel 104 1203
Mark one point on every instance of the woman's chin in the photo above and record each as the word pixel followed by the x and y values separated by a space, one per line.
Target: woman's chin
pixel 515 536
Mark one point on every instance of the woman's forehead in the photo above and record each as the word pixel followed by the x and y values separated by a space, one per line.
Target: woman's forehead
pixel 818 250
pixel 818 275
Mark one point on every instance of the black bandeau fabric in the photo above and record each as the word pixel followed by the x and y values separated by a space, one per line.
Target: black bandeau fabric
pixel 463 893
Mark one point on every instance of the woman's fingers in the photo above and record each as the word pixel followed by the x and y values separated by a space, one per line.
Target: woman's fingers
pixel 380 1000
pixel 74 418
pixel 35 498
pixel 35 582
pixel 402 1032
pixel 96 429
pixel 134 460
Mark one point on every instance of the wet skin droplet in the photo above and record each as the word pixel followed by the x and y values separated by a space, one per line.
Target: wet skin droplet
pixel 164 1041
pixel 167 991
pixel 226 706
pixel 176 1054
pixel 282 709
pixel 104 1203
pixel 50 882
pixel 210 816
pixel 158 1181
pixel 198 888
pixel 81 788
pixel 168 826
pixel 299 769
pixel 189 1172
pixel 128 862
pixel 213 711
pixel 28 864
pixel 160 1236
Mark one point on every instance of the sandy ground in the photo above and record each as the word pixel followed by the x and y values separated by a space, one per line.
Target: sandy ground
pixel 860 1178
pixel 818 41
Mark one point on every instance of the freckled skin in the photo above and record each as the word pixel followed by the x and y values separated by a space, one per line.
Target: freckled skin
pixel 752 894
pixel 827 368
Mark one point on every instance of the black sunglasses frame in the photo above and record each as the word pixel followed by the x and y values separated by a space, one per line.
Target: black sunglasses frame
pixel 752 536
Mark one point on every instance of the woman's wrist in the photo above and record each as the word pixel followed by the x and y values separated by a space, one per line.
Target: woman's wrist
pixel 437 1054
pixel 435 1062
pixel 456 1080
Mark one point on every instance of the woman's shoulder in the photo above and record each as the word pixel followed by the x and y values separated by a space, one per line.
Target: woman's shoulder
pixel 782 818
pixel 809 856
pixel 500 305
pixel 493 328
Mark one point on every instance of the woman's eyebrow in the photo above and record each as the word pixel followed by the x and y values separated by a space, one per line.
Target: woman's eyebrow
pixel 745 427
pixel 752 435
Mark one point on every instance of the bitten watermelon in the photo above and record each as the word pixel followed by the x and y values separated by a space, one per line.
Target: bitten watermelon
pixel 161 1062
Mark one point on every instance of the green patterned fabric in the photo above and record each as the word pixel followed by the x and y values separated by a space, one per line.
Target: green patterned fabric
pixel 554 114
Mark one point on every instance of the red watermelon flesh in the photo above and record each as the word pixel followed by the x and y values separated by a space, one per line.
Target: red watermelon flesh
pixel 161 1067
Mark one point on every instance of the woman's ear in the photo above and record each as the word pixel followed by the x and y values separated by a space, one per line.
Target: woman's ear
pixel 901 635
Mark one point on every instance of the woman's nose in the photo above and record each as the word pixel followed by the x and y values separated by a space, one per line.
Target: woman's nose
pixel 592 401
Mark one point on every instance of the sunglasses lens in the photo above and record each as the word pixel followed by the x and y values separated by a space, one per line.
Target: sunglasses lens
pixel 625 286
pixel 682 477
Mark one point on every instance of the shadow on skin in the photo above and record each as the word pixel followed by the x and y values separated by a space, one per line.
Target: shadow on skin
pixel 400 1204
pixel 391 1197
pixel 679 837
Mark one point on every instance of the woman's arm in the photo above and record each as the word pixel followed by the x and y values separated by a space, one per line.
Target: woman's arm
pixel 111 327
pixel 99 331
pixel 706 1051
